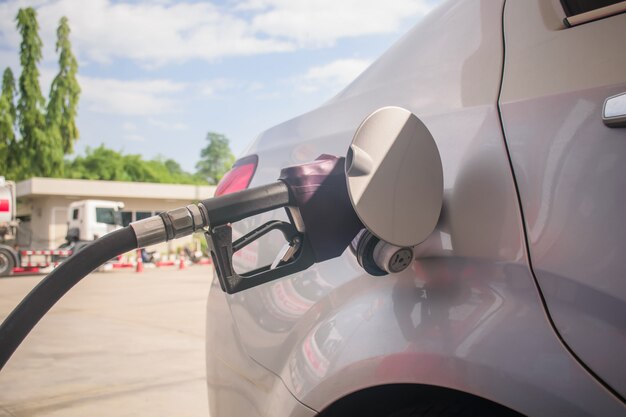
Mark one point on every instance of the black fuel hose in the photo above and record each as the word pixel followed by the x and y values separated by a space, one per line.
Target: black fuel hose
pixel 156 229
pixel 37 303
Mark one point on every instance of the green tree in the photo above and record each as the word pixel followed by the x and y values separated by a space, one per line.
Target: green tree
pixel 40 153
pixel 215 159
pixel 8 90
pixel 7 121
pixel 64 92
pixel 102 163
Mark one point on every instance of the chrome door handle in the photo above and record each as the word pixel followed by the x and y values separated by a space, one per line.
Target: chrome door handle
pixel 614 111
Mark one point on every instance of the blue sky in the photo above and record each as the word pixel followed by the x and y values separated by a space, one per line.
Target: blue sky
pixel 158 75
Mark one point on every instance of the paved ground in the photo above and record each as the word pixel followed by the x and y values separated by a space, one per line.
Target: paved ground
pixel 118 344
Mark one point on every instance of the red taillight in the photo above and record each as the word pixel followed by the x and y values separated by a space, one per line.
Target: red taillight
pixel 239 176
pixel 4 205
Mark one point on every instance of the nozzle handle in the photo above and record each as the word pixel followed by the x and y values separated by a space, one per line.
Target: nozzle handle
pixel 240 205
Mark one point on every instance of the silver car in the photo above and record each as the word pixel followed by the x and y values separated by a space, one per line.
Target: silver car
pixel 516 304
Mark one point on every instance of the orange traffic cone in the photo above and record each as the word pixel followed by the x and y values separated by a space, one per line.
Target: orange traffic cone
pixel 181 264
pixel 139 261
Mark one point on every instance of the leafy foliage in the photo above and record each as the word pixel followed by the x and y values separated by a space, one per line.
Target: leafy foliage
pixel 7 120
pixel 215 159
pixel 8 91
pixel 102 163
pixel 38 150
pixel 64 92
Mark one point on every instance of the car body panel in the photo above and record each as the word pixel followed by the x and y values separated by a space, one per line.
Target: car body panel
pixel 238 386
pixel 467 315
pixel 570 171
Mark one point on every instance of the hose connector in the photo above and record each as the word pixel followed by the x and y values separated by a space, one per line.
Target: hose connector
pixel 170 225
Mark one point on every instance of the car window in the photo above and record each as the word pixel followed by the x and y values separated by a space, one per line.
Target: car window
pixel 574 7
pixel 75 214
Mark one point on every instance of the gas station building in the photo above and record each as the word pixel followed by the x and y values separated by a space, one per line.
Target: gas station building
pixel 43 204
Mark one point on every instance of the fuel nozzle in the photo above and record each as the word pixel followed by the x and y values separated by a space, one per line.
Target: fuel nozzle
pixel 321 225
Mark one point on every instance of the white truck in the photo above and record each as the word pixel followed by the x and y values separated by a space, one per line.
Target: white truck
pixel 87 220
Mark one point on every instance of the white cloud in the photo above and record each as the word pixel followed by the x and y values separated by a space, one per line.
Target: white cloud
pixel 10 59
pixel 129 127
pixel 167 125
pixel 134 137
pixel 323 22
pixel 157 33
pixel 214 88
pixel 333 75
pixel 150 33
pixel 146 97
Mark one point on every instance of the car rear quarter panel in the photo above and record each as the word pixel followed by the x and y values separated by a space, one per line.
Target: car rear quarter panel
pixel 467 315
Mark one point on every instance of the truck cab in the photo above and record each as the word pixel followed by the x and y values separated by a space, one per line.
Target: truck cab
pixel 89 220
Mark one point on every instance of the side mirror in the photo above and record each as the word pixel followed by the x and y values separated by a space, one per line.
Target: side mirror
pixel 395 176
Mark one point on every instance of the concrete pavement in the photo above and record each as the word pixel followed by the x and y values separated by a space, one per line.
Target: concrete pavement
pixel 118 344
